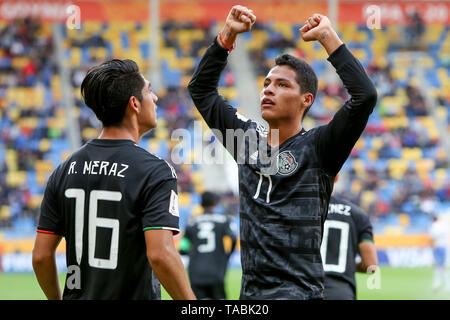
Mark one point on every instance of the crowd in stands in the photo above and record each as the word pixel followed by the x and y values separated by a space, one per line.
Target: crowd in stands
pixel 399 166
pixel 26 70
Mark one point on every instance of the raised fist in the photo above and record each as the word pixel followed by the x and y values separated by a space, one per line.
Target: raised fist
pixel 240 19
pixel 316 27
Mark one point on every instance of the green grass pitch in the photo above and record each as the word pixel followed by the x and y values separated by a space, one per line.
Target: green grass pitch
pixel 395 284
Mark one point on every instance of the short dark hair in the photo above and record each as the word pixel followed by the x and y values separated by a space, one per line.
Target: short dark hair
pixel 305 75
pixel 209 199
pixel 107 88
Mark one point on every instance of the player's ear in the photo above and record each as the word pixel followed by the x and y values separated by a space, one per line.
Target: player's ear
pixel 307 99
pixel 134 104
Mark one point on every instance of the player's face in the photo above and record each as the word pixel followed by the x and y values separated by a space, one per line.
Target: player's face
pixel 281 96
pixel 148 116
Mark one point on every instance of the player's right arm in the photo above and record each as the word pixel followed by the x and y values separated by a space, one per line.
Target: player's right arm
pixel 49 234
pixel 167 265
pixel 44 264
pixel 203 86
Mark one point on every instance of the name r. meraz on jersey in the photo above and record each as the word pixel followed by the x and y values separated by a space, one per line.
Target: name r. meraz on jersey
pixel 96 167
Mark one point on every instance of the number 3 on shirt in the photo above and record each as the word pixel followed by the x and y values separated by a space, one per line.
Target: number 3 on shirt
pixel 93 223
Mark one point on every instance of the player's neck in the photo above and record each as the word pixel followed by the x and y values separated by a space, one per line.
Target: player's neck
pixel 119 132
pixel 276 138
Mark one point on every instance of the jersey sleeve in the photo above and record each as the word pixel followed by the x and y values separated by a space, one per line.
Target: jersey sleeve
pixel 339 136
pixel 215 110
pixel 160 210
pixel 50 219
pixel 363 225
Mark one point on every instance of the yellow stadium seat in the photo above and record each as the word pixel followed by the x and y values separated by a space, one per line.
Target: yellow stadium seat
pixel 356 186
pixel 161 133
pixel 404 219
pixel 393 230
pixel 359 167
pixel 411 153
pixel 92 26
pixel 367 198
pixel 377 143
pixel 433 32
pixel 184 199
pixel 360 54
pixel 228 93
pixel 35 201
pixel 397 168
pixel 424 167
pixel 16 179
pixel 360 144
pixel 197 210
pixel 200 188
pixel 11 159
pixel 56 123
pixel 258 40
pixel 90 133
pixel 41 178
pixel 43 166
pixel 19 62
pixel 5 213
pixel 373 155
pixel 30 122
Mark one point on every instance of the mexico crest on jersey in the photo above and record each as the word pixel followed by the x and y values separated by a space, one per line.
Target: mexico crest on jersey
pixel 286 163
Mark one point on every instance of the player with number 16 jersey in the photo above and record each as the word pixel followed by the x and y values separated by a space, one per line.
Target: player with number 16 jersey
pixel 101 200
pixel 115 204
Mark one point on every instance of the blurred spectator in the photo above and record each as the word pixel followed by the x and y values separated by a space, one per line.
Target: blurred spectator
pixel 415 28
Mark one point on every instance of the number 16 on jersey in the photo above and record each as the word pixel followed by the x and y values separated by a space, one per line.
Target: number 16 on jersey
pixel 94 222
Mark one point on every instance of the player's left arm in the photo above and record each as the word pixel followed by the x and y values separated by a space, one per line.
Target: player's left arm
pixel 44 264
pixel 366 245
pixel 340 135
pixel 369 260
pixel 232 233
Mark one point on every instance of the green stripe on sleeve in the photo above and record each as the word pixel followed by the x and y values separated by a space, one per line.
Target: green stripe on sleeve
pixel 153 228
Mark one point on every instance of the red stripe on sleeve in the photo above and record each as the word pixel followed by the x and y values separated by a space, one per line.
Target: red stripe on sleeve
pixel 44 231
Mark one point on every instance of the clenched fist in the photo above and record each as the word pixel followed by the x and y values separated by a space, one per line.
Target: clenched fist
pixel 240 19
pixel 318 27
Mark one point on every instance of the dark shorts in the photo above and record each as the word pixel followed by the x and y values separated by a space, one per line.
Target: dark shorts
pixel 213 291
pixel 336 289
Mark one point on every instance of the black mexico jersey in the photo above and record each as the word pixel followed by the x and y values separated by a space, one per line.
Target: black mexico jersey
pixel 102 199
pixel 284 201
pixel 208 258
pixel 345 228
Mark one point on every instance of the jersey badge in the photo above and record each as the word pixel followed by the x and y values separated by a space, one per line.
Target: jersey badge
pixel 286 163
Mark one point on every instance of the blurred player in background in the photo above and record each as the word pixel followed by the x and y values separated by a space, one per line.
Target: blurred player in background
pixel 282 212
pixel 347 231
pixel 439 236
pixel 115 204
pixel 210 239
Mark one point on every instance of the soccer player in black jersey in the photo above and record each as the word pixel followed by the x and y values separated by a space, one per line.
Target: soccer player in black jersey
pixel 347 231
pixel 210 239
pixel 115 204
pixel 283 208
